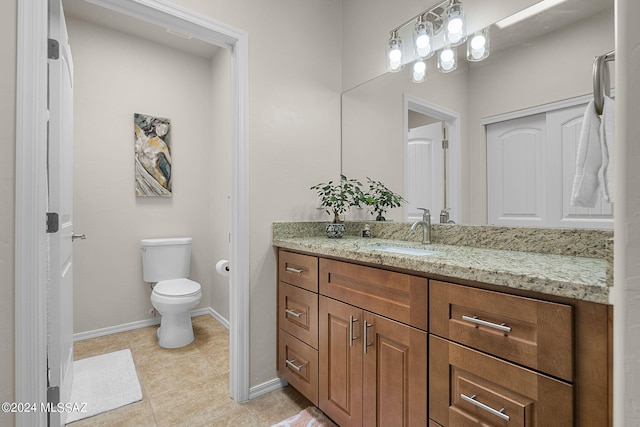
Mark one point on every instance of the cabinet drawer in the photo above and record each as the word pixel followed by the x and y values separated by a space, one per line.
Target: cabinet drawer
pixel 298 313
pixel 469 388
pixel 298 270
pixel 394 295
pixel 530 332
pixel 298 365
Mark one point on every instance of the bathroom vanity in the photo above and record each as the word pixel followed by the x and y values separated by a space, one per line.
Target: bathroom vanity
pixel 376 334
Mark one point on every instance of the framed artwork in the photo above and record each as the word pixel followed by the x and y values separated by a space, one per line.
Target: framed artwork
pixel 152 155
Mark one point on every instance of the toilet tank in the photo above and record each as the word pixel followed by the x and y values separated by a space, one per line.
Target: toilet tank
pixel 165 259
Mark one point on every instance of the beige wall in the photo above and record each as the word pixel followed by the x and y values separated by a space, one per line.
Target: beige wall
pixel 7 203
pixel 117 75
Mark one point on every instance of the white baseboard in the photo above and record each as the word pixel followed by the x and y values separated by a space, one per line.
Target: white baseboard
pixel 143 324
pixel 267 387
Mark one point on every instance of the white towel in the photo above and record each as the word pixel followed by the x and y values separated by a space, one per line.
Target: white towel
pixel 606 138
pixel 588 161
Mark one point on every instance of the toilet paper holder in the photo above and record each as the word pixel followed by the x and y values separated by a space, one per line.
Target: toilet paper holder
pixel 222 267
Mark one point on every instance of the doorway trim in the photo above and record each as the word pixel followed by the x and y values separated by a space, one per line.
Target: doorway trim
pixel 31 193
pixel 454 174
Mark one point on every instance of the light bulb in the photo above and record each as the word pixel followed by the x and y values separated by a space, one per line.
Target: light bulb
pixel 395 55
pixel 478 41
pixel 419 67
pixel 419 71
pixel 455 25
pixel 446 55
pixel 422 41
pixel 447 60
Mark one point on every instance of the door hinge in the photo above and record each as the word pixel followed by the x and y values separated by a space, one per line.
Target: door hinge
pixel 53 395
pixel 53 49
pixel 445 144
pixel 53 222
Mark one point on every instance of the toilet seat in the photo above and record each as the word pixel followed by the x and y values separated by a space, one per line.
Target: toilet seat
pixel 177 288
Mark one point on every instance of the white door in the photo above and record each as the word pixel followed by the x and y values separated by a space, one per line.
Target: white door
pixel 563 129
pixel 424 174
pixel 60 201
pixel 516 172
pixel 531 162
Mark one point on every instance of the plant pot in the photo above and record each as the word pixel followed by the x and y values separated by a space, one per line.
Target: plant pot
pixel 334 231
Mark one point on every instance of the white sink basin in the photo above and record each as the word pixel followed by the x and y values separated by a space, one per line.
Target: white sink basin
pixel 404 251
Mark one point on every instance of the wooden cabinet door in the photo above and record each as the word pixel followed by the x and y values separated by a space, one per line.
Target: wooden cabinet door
pixel 340 354
pixel 395 373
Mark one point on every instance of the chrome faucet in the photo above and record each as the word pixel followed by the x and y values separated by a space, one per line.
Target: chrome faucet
pixel 444 217
pixel 426 226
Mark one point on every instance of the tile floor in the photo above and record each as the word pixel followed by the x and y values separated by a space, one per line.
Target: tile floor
pixel 188 386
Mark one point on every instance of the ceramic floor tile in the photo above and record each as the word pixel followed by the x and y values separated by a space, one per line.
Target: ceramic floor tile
pixel 100 345
pixel 185 372
pixel 191 406
pixel 137 414
pixel 188 386
pixel 277 406
pixel 239 417
pixel 142 337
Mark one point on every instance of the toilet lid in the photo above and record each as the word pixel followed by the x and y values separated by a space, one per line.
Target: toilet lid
pixel 177 288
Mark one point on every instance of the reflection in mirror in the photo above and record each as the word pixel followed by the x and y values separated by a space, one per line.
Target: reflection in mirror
pixel 550 61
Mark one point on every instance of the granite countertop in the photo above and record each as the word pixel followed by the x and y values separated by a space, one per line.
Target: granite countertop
pixel 574 277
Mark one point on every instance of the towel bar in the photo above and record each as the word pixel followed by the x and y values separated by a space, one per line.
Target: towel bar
pixel 601 79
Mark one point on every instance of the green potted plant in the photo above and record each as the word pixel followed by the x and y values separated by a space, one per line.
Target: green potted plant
pixel 337 198
pixel 381 199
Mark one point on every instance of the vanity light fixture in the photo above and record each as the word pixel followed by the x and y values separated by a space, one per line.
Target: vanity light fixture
pixel 442 25
pixel 394 52
pixel 455 24
pixel 478 45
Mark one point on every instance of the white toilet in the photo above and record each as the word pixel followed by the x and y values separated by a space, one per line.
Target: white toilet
pixel 166 262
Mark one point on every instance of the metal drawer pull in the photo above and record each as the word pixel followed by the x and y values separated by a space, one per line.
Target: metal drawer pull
pixel 351 337
pixel 295 270
pixel 503 327
pixel 293 365
pixel 365 344
pixel 487 408
pixel 293 312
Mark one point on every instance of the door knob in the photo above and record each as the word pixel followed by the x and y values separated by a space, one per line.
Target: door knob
pixel 77 236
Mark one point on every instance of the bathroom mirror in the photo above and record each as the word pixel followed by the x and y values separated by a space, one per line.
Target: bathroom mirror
pixel 542 60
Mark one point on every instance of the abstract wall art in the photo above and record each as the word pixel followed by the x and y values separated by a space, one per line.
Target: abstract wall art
pixel 152 155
